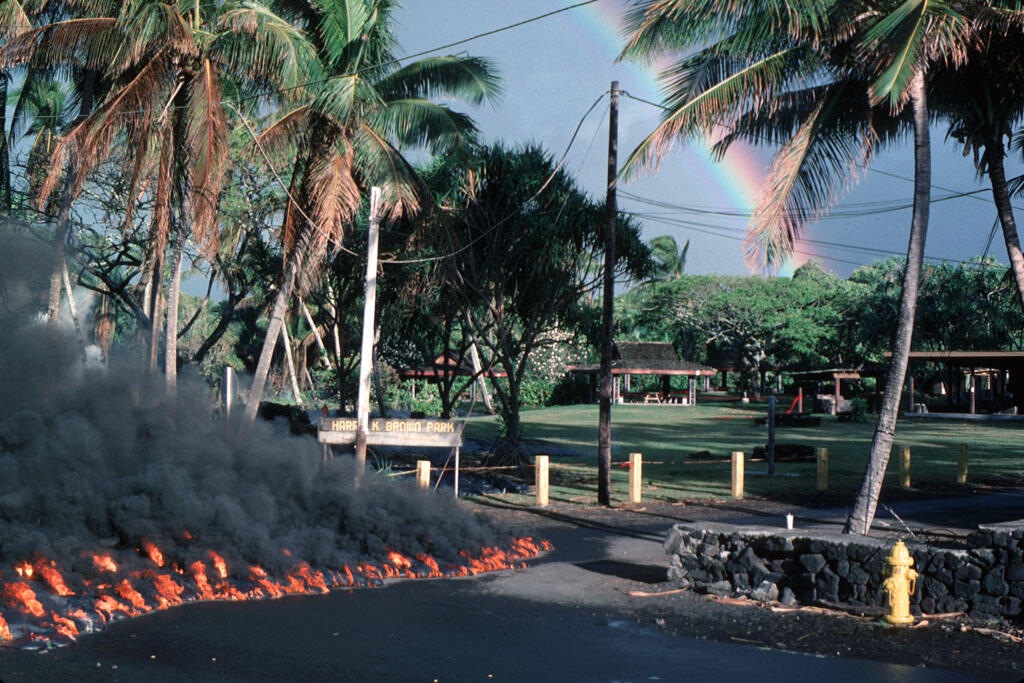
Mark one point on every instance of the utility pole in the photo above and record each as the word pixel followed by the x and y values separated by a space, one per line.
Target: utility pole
pixel 604 420
pixel 366 350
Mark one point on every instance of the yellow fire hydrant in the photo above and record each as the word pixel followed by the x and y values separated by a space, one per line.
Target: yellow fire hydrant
pixel 900 584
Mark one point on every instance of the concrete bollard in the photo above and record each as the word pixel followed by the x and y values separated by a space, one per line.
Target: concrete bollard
pixel 423 473
pixel 541 483
pixel 635 467
pixel 822 469
pixel 961 473
pixel 905 468
pixel 737 474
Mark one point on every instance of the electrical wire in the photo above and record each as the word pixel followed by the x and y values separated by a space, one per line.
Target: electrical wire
pixel 870 169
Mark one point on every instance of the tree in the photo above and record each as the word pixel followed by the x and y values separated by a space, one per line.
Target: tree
pixel 812 77
pixel 669 259
pixel 982 99
pixel 347 138
pixel 165 68
pixel 523 239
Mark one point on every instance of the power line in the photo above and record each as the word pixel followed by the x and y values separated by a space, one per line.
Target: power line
pixel 870 169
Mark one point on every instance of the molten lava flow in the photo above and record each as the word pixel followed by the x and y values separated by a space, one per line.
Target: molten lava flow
pixel 19 596
pixel 154 553
pixel 40 610
pixel 219 564
pixel 104 563
pixel 53 578
pixel 127 592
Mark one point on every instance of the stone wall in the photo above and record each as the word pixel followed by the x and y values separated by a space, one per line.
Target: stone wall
pixel 986 580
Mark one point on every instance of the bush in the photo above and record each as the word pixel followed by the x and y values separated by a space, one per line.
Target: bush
pixel 572 389
pixel 858 410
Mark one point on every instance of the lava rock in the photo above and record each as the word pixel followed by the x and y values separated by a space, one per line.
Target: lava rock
pixel 813 562
pixel 994 583
pixel 766 591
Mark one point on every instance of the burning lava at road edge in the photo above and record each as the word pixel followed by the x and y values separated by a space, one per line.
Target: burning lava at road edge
pixel 40 609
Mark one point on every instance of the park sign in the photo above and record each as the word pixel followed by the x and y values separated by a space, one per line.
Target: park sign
pixel 341 431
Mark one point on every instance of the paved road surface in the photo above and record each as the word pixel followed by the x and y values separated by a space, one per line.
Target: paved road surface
pixel 561 620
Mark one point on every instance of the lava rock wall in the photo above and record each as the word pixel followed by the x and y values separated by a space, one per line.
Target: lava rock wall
pixel 986 580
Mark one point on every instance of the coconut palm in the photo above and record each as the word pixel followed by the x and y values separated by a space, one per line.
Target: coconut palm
pixel 982 101
pixel 810 76
pixel 669 259
pixel 347 136
pixel 168 68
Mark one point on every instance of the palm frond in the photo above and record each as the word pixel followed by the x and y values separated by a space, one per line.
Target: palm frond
pixel 286 131
pixel 829 150
pixel 333 194
pixel 472 79
pixel 206 141
pixel 13 19
pixel 62 42
pixel 90 140
pixel 713 106
pixel 343 25
pixel 423 123
pixel 380 164
pixel 899 42
pixel 254 42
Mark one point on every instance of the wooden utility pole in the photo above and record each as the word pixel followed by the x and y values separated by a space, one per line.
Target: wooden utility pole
pixel 604 420
pixel 366 350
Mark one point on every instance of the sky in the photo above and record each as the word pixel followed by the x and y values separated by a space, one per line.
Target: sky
pixel 554 69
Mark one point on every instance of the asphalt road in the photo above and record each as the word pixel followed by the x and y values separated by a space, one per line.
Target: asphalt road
pixel 566 618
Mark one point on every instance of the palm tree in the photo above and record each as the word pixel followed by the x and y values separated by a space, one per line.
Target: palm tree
pixel 810 76
pixel 982 101
pixel 669 259
pixel 347 137
pixel 168 67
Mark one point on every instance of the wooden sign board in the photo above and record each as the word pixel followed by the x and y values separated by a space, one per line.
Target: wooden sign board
pixel 393 432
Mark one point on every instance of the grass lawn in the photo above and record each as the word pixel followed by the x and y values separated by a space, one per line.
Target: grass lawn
pixel 666 435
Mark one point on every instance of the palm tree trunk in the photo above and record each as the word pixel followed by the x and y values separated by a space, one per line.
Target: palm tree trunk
pixel 287 342
pixel 79 334
pixel 994 152
pixel 5 158
pixel 316 334
pixel 863 512
pixel 259 379
pixel 60 238
pixel 171 332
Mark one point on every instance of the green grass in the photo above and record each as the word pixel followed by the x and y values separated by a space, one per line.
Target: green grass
pixel 667 435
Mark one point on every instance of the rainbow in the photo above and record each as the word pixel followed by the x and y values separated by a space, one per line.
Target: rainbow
pixel 738 177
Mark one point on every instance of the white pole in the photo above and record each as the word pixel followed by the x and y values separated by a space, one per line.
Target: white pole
pixel 366 350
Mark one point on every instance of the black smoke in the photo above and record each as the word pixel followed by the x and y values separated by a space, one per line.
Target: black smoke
pixel 99 459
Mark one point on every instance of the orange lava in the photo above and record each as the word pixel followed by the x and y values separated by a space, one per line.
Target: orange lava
pixel 154 553
pixel 104 563
pixel 54 580
pixel 116 593
pixel 19 596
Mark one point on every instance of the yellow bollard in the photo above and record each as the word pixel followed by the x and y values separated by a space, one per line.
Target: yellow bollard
pixel 900 584
pixel 823 469
pixel 541 482
pixel 905 468
pixel 737 474
pixel 423 473
pixel 961 474
pixel 635 466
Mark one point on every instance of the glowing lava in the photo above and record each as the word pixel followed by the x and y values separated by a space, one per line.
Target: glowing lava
pixel 40 610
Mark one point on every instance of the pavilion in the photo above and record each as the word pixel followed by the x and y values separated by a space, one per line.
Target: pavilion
pixel 836 377
pixel 1004 371
pixel 647 358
